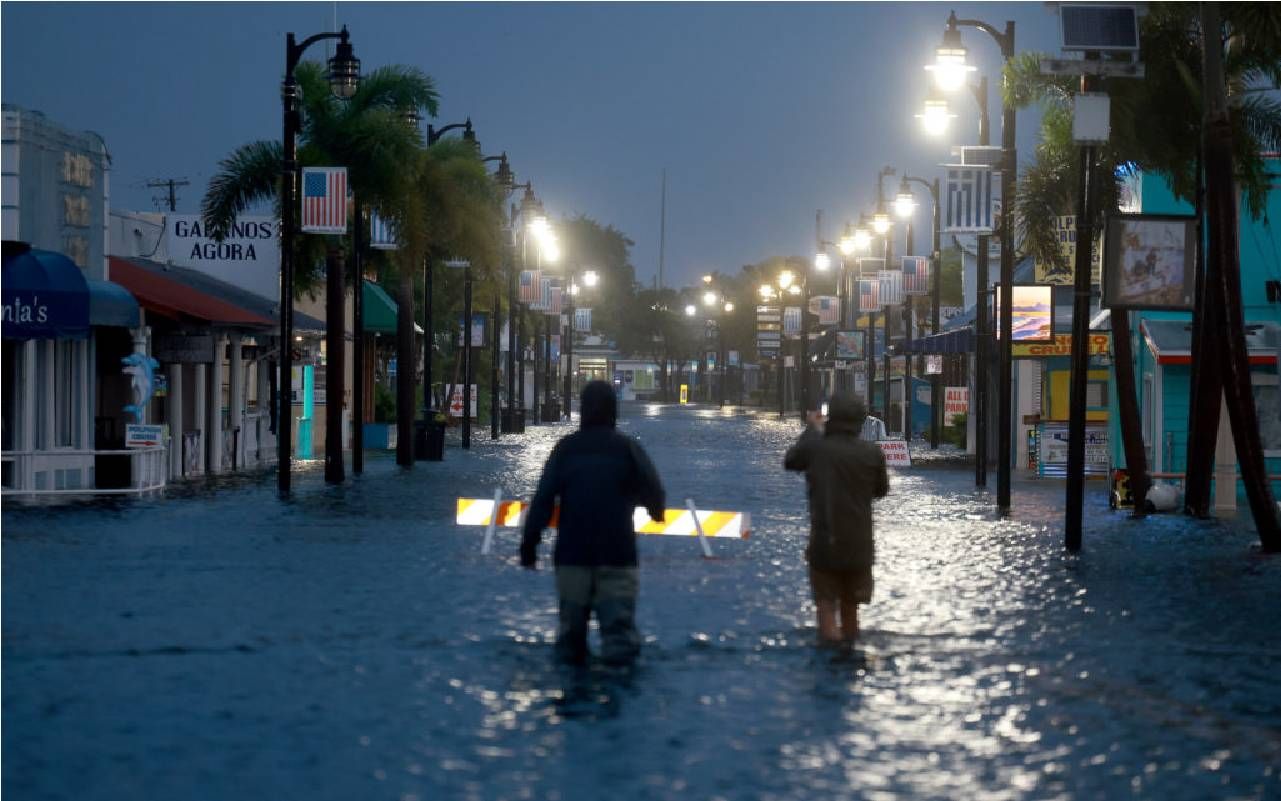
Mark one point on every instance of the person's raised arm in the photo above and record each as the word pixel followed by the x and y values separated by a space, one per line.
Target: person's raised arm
pixel 798 456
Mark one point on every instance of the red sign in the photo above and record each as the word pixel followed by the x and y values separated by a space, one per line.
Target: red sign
pixel 896 452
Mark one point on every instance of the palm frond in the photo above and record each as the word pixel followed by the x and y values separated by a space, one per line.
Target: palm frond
pixel 396 87
pixel 248 176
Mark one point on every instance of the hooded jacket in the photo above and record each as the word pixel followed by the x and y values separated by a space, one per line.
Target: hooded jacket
pixel 599 476
pixel 843 474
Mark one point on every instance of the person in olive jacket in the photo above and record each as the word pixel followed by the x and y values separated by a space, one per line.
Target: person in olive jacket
pixel 844 473
pixel 599 476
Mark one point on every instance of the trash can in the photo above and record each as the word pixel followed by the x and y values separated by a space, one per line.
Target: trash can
pixel 513 421
pixel 429 440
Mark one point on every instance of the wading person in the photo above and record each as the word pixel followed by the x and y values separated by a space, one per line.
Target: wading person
pixel 843 474
pixel 599 476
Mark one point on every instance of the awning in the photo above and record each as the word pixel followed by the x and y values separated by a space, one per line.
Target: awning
pixel 1170 341
pixel 958 340
pixel 46 296
pixel 380 311
pixel 170 292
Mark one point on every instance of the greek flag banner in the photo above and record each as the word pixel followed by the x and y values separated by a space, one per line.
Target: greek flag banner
pixel 382 233
pixel 792 321
pixel 891 287
pixel 916 275
pixel 324 200
pixel 869 294
pixel 582 319
pixel 553 300
pixel 972 207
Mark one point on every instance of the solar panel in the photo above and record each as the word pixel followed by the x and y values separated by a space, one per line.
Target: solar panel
pixel 1111 27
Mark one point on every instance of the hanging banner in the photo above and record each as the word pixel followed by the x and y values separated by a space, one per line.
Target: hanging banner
pixel 934 364
pixel 827 307
pixel 731 358
pixel 583 320
pixel 792 321
pixel 1061 269
pixel 973 198
pixel 530 286
pixel 891 287
pixel 916 275
pixel 1032 315
pixel 503 338
pixel 554 298
pixel 324 200
pixel 477 330
pixel 455 394
pixel 869 294
pixel 382 233
pixel 851 345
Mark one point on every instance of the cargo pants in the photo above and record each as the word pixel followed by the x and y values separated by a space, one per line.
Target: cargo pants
pixel 611 592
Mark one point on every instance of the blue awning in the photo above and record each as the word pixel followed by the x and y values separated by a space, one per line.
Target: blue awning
pixel 959 340
pixel 112 305
pixel 45 295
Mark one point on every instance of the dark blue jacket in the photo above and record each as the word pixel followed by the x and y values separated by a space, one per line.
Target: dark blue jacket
pixel 599 476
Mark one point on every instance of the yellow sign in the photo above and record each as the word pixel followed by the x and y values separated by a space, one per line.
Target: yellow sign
pixel 1061 346
pixel 1062 269
pixel 684 393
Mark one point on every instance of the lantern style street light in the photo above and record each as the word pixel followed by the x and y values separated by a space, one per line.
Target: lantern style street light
pixel 344 80
pixel 950 70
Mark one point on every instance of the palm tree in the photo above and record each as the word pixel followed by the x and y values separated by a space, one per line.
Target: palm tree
pixel 367 134
pixel 1158 125
pixel 453 209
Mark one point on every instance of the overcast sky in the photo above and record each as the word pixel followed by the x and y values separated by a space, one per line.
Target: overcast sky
pixel 761 113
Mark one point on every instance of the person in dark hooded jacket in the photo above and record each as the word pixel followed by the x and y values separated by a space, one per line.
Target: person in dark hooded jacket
pixel 599 476
pixel 843 473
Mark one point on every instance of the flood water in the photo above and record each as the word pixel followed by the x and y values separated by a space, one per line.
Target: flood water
pixel 352 643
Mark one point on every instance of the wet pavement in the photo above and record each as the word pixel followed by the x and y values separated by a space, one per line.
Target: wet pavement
pixel 354 644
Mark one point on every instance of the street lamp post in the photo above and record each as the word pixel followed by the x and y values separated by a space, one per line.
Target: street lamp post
pixel 344 78
pixel 936 269
pixel 951 64
pixel 590 279
pixel 882 224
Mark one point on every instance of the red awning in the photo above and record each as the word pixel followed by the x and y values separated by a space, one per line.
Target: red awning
pixel 171 298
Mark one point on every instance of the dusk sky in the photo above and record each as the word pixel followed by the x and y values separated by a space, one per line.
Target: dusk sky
pixel 760 113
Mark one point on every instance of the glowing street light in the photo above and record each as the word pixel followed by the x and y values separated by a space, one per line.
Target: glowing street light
pixel 862 237
pixel 904 202
pixel 950 69
pixel 936 117
pixel 767 291
pixel 690 310
pixel 822 262
pixel 785 279
pixel 710 298
pixel 729 306
pixel 881 222
pixel 591 278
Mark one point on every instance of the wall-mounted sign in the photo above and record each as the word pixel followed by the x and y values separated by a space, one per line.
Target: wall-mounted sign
pixel 1032 313
pixel 183 348
pixel 143 436
pixel 1151 262
pixel 956 401
pixel 249 257
pixel 1061 346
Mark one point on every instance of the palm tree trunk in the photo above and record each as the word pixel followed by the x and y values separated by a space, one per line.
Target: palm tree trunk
pixel 405 367
pixel 1206 385
pixel 335 346
pixel 1223 261
pixel 1127 400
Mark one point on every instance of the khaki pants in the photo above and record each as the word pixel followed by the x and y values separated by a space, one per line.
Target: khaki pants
pixel 611 591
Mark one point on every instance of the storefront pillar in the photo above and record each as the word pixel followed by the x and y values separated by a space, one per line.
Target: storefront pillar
pixel 200 394
pixel 174 404
pixel 214 428
pixel 236 403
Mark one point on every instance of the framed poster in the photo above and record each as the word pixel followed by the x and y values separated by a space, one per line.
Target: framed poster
pixel 934 364
pixel 1149 262
pixel 851 345
pixel 1032 315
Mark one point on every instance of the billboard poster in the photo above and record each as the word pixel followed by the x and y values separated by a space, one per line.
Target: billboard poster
pixel 851 345
pixel 1061 269
pixel 1032 315
pixel 934 364
pixel 956 401
pixel 1151 262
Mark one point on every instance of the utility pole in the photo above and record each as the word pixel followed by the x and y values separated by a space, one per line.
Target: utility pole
pixel 172 184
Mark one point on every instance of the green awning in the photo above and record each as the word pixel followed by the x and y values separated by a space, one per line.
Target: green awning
pixel 380 311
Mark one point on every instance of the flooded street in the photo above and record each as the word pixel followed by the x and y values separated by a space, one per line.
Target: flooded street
pixel 354 644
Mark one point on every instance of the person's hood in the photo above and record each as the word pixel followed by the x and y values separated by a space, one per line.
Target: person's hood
pixel 598 406
pixel 845 415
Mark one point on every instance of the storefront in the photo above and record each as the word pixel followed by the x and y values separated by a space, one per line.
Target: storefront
pixel 64 338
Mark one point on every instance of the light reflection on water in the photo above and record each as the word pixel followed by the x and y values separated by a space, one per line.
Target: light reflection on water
pixel 352 643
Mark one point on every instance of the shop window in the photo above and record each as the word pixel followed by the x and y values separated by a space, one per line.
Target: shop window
pixel 12 369
pixel 1267 405
pixel 1096 394
pixel 66 393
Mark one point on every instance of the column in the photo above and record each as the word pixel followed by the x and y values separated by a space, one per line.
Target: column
pixel 200 395
pixel 174 401
pixel 213 447
pixel 236 401
pixel 1225 465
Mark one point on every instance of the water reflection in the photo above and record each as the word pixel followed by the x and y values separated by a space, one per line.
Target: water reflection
pixel 353 643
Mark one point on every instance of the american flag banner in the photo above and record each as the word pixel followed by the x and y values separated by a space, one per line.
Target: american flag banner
pixel 916 275
pixel 530 286
pixel 324 200
pixel 869 295
pixel 891 287
pixel 971 205
pixel 827 307
pixel 382 233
